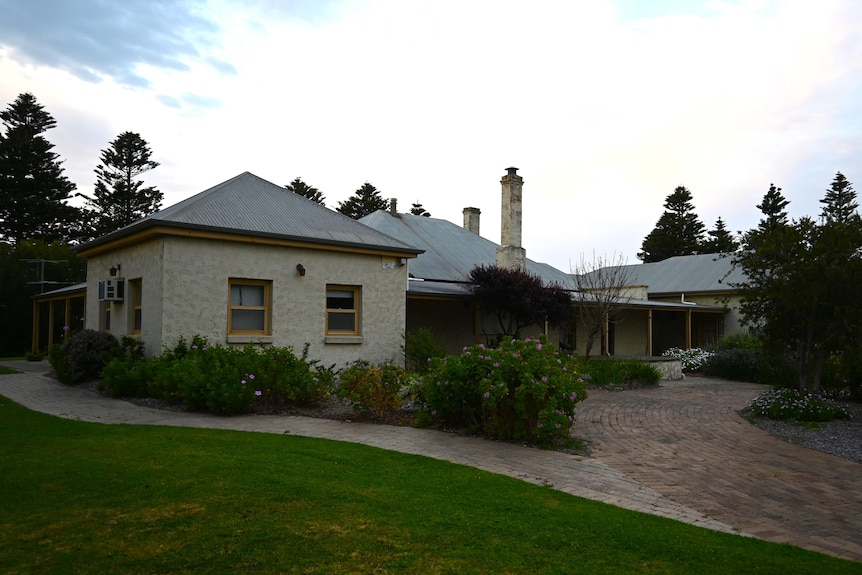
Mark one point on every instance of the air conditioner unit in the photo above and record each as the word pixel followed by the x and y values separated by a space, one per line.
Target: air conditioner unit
pixel 111 290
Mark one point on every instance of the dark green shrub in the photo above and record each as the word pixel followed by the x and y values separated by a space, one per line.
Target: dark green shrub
pixel 83 355
pixel 57 359
pixel 121 377
pixel 778 371
pixel 217 379
pixel 524 389
pixel 33 356
pixel 608 372
pixel 736 363
pixel 420 347
pixel 741 341
pixel 841 376
pixel 132 347
pixel 791 404
pixel 288 380
pixel 636 373
pixel 375 387
pixel 221 380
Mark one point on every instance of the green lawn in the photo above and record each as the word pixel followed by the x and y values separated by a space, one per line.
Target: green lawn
pixel 90 498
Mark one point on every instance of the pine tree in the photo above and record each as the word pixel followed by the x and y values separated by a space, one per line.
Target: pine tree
pixel 297 186
pixel 679 232
pixel 366 200
pixel 839 204
pixel 418 210
pixel 33 189
pixel 120 198
pixel 720 241
pixel 773 208
pixel 801 280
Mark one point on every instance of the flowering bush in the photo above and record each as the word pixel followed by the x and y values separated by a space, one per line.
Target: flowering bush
pixel 374 387
pixel 791 404
pixel 524 389
pixel 692 359
pixel 222 380
pixel 83 355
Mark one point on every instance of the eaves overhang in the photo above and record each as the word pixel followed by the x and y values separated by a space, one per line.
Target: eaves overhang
pixel 149 229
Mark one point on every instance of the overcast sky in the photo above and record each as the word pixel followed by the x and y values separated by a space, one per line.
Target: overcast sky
pixel 605 106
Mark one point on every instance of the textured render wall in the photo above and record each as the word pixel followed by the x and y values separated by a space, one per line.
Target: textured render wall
pixel 631 334
pixel 196 295
pixel 145 261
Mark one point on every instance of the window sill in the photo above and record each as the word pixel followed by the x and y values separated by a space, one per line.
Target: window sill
pixel 344 339
pixel 260 339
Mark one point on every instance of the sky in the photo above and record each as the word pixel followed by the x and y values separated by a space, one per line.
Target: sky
pixel 604 106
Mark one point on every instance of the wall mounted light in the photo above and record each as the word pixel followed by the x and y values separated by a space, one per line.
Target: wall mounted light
pixel 114 269
pixel 300 269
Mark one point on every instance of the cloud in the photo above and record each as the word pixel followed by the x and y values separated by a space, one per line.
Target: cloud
pixel 186 101
pixel 97 39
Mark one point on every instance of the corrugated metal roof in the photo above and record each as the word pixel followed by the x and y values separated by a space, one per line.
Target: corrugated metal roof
pixel 450 250
pixel 247 204
pixel 687 274
pixel 81 287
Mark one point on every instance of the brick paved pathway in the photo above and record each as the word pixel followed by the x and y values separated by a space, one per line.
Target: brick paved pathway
pixel 679 451
pixel 686 441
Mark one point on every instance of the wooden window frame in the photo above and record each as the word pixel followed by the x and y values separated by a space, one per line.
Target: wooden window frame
pixel 136 286
pixel 357 310
pixel 107 312
pixel 266 307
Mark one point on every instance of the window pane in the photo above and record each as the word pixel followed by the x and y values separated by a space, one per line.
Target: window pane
pixel 137 320
pixel 339 321
pixel 339 299
pixel 248 320
pixel 246 295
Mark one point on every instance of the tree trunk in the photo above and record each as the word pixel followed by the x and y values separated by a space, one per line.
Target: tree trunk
pixel 819 360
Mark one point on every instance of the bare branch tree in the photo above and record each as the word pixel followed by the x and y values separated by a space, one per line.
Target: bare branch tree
pixel 604 292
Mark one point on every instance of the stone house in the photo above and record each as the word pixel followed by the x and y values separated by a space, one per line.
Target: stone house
pixel 249 262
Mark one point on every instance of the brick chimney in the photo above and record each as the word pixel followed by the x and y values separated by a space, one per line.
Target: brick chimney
pixel 510 254
pixel 393 206
pixel 471 220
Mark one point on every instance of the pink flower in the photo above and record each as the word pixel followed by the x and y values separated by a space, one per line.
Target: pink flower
pixel 258 392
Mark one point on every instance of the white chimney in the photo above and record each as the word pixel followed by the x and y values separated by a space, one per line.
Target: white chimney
pixel 471 220
pixel 510 254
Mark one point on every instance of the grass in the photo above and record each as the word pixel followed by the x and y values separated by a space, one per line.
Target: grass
pixel 90 498
pixel 7 370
